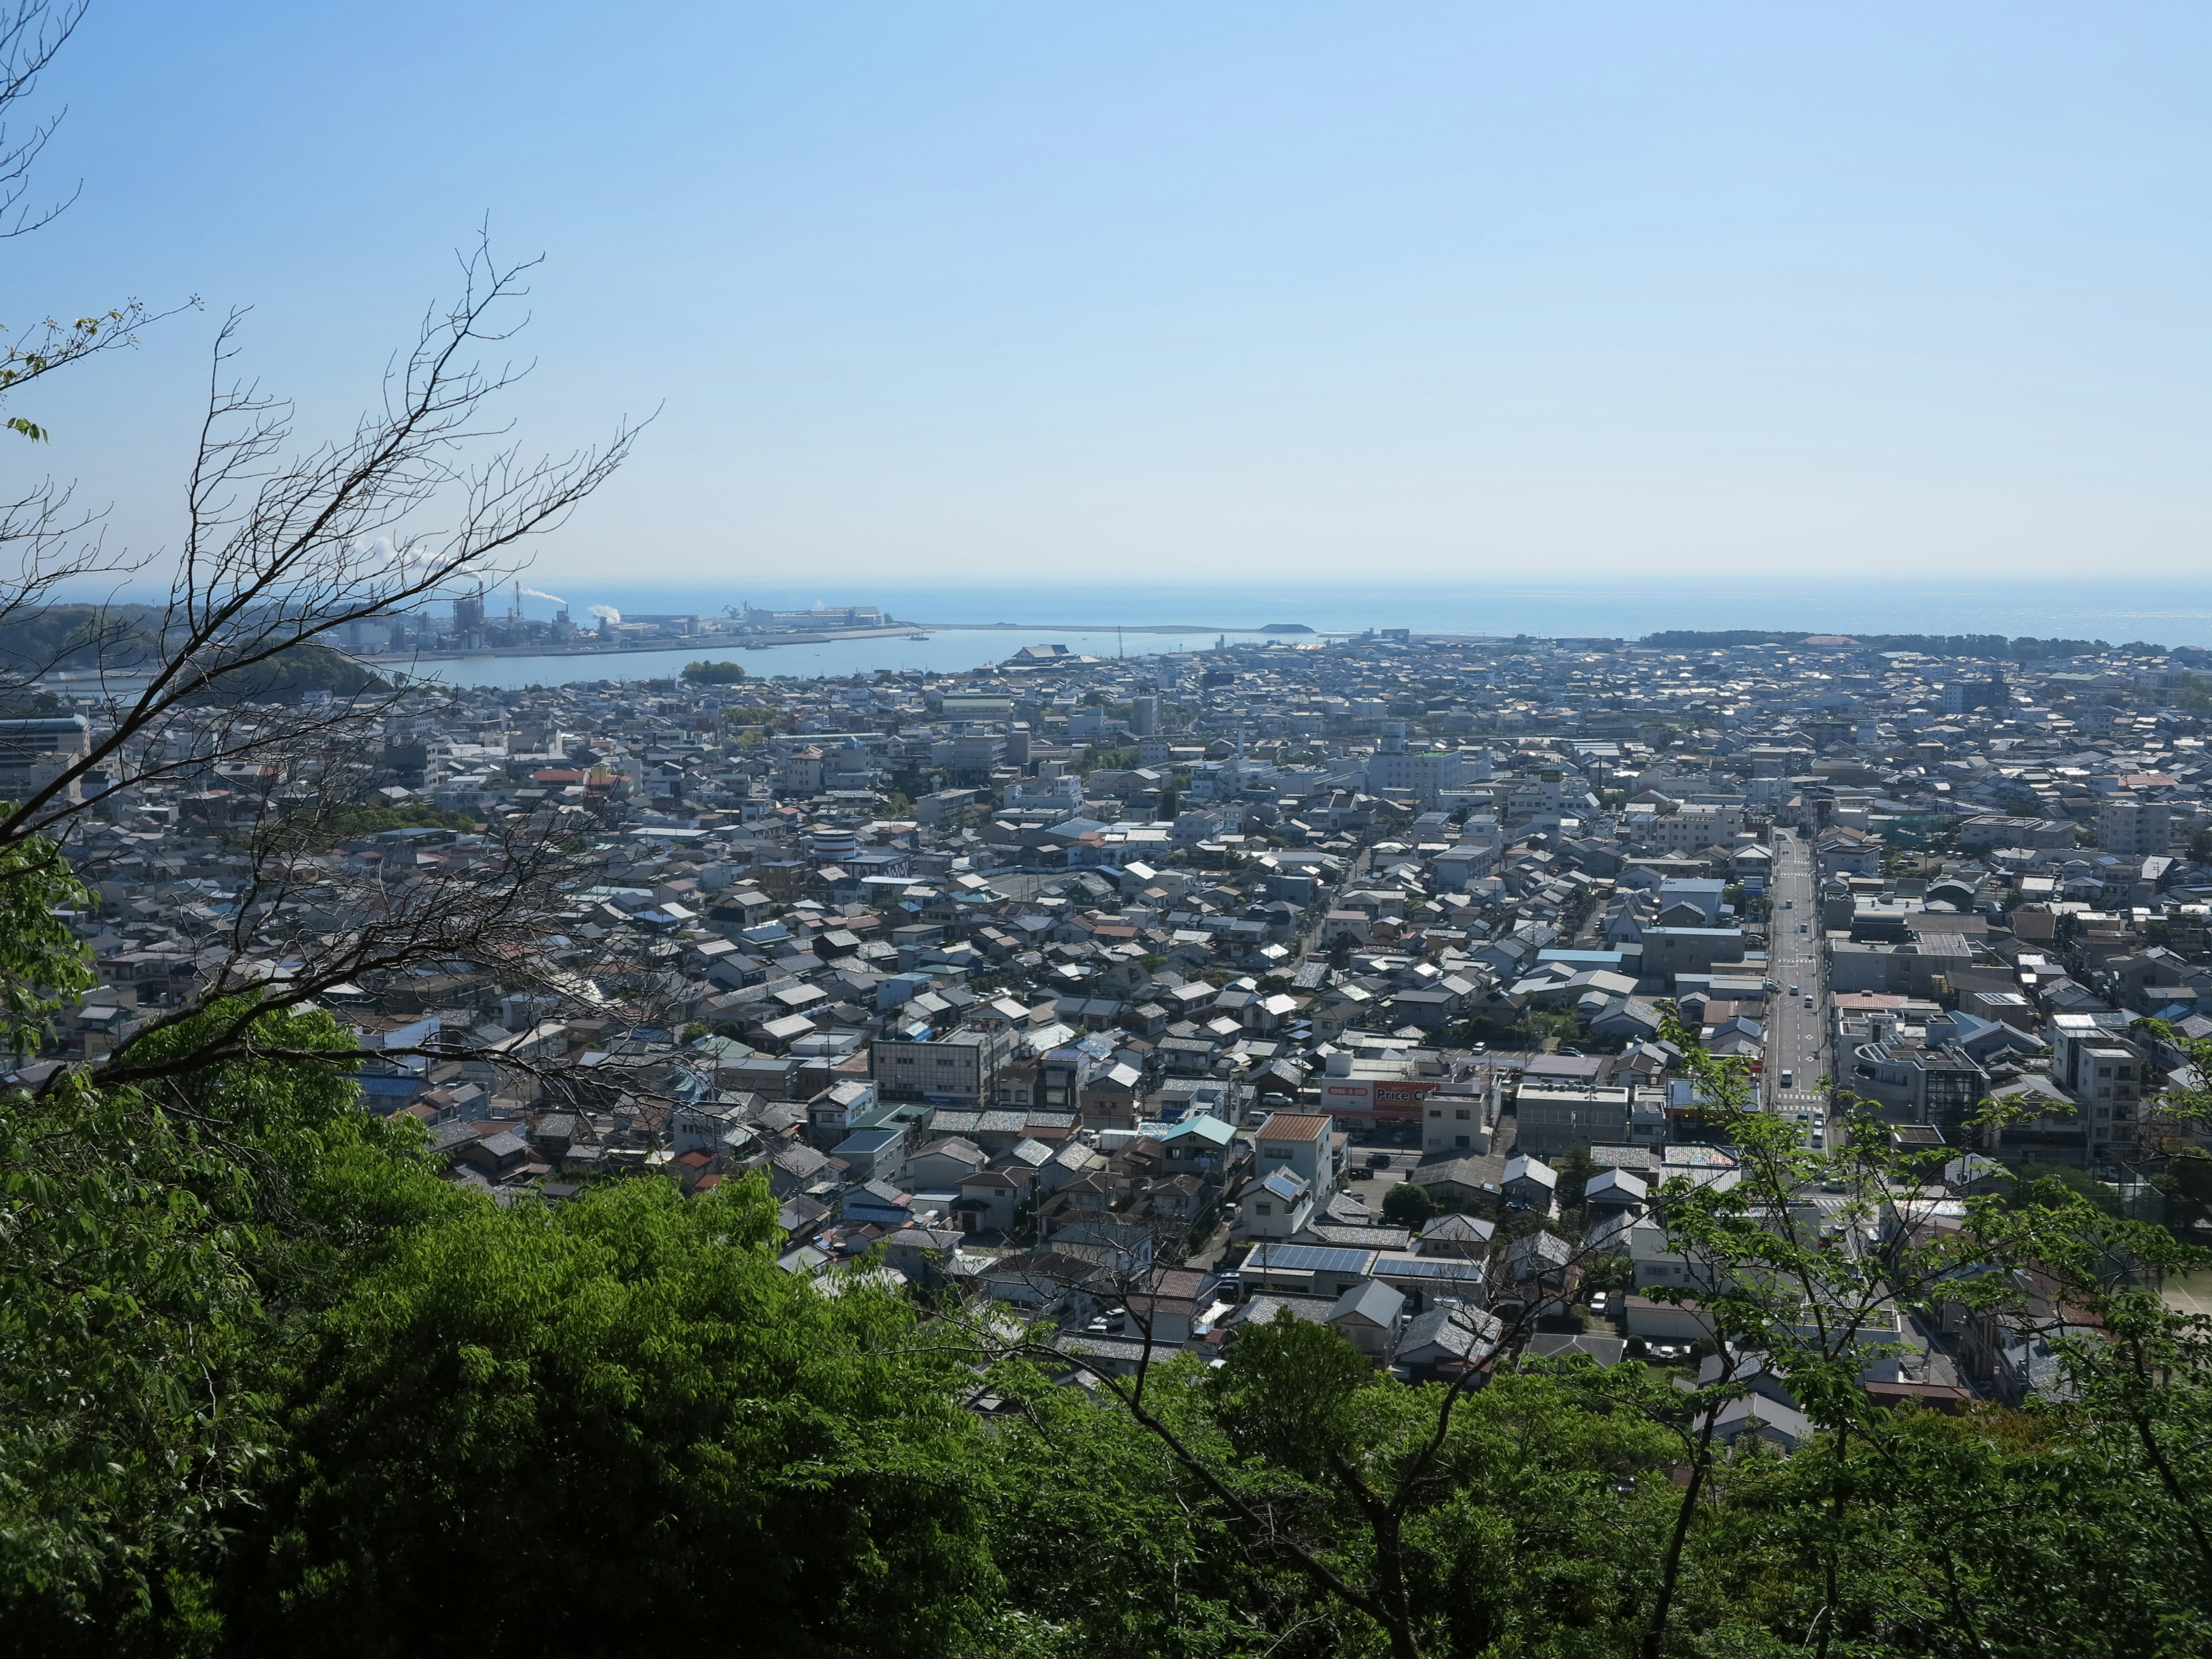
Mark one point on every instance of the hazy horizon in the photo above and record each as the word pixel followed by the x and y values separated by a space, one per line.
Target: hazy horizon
pixel 982 294
pixel 2179 615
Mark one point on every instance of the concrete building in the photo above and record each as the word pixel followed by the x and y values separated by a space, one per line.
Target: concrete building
pixel 35 751
pixel 958 1068
pixel 2128 827
pixel 1552 1120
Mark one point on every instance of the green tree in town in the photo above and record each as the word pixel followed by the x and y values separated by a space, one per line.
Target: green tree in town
pixel 714 673
pixel 1407 1205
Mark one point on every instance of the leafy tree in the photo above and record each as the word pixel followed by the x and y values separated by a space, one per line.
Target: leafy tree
pixel 320 824
pixel 1372 1516
pixel 2030 1176
pixel 1407 1205
pixel 159 1238
pixel 1293 1500
pixel 1609 1272
pixel 1576 1169
pixel 575 1429
pixel 2186 1183
pixel 714 673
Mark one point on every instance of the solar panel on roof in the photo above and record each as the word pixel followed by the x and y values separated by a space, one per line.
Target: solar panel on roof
pixel 1428 1267
pixel 1309 1258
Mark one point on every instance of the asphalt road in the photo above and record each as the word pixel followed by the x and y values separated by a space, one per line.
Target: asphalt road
pixel 1797 1036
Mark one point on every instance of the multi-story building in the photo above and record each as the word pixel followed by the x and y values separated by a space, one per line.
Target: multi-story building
pixel 2105 1074
pixel 35 751
pixel 1552 1120
pixel 1301 1142
pixel 1689 829
pixel 2128 827
pixel 957 1069
pixel 1392 770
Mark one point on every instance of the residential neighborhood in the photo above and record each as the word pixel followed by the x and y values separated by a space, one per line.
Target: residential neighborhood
pixel 1128 992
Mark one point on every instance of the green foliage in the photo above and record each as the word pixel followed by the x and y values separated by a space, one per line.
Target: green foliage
pixel 269 1385
pixel 1576 1169
pixel 1407 1205
pixel 2026 648
pixel 56 344
pixel 2038 1184
pixel 714 673
pixel 621 1400
pixel 41 963
pixel 1523 1529
pixel 158 1240
pixel 1290 1395
pixel 324 825
pixel 292 675
pixel 2186 1181
pixel 34 639
pixel 1609 1272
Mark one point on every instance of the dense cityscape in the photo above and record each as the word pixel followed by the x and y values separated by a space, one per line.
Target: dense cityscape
pixel 1270 977
pixel 950 832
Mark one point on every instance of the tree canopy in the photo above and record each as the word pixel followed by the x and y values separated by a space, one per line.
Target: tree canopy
pixel 714 673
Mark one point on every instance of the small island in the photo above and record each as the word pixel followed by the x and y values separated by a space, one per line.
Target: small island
pixel 1286 627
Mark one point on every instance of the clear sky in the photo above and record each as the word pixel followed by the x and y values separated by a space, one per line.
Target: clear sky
pixel 1218 292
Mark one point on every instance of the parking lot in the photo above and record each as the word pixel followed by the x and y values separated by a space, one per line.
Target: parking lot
pixel 1372 1183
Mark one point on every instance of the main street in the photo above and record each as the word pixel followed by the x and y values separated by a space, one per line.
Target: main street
pixel 1797 1057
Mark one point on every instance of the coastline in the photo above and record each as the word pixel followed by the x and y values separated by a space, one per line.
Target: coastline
pixel 713 642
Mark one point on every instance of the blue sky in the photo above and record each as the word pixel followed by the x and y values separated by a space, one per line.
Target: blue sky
pixel 1228 293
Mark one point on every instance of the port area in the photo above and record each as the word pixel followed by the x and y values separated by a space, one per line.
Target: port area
pixel 707 643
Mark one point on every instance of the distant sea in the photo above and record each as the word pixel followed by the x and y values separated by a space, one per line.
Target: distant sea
pixel 1084 617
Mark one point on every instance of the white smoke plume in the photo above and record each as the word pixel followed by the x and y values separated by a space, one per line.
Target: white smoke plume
pixel 381 546
pixel 539 594
pixel 606 613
